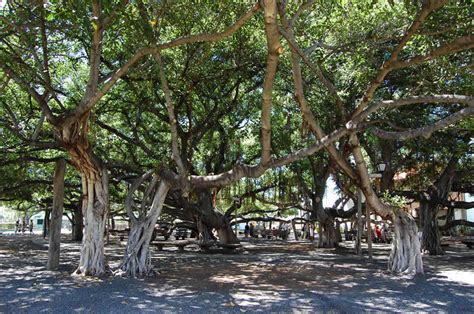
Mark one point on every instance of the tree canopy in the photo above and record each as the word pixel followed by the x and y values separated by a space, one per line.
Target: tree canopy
pixel 231 99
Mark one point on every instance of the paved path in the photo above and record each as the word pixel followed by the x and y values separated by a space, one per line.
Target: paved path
pixel 270 276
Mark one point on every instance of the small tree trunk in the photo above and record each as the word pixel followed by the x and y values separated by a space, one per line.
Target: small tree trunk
pixel 112 222
pixel 136 261
pixel 431 240
pixel 78 224
pixel 406 249
pixel 369 232
pixel 293 224
pixel 338 232
pixel 94 209
pixel 56 215
pixel 46 223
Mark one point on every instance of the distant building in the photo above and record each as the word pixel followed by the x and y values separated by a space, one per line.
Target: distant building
pixel 459 213
pixel 38 221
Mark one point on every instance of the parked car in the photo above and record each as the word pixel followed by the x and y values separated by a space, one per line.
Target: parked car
pixel 181 233
pixel 162 230
pixel 275 233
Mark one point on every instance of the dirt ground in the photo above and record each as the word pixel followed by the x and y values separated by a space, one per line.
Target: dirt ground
pixel 266 276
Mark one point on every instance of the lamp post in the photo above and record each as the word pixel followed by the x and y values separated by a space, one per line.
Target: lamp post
pixel 358 244
pixel 237 204
pixel 381 168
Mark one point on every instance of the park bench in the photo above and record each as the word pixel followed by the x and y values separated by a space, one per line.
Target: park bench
pixel 163 231
pixel 121 233
pixel 179 244
pixel 227 247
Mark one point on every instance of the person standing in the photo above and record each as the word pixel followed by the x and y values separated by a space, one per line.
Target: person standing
pixel 247 230
pixel 378 234
pixel 31 226
pixel 252 230
pixel 17 226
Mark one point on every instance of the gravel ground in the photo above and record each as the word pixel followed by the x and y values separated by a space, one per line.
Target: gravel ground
pixel 269 276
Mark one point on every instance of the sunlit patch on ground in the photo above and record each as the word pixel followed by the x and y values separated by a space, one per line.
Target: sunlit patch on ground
pixel 466 277
pixel 268 276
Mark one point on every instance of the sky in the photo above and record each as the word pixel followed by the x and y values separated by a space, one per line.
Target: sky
pixel 330 196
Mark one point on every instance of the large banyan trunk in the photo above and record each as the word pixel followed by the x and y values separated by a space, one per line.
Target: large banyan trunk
pixel 406 249
pixel 136 261
pixel 95 195
pixel 328 237
pixel 94 210
pixel 208 218
pixel 431 239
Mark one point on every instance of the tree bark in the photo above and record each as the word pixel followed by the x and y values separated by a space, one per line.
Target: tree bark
pixel 429 206
pixel 406 248
pixel 78 224
pixel 94 210
pixel 328 237
pixel 406 251
pixel 136 261
pixel 430 240
pixel 56 216
pixel 46 223
pixel 207 216
pixel 293 225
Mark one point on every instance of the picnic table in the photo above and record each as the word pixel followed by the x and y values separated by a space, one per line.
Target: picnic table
pixel 179 244
pixel 468 241
pixel 275 233
pixel 204 246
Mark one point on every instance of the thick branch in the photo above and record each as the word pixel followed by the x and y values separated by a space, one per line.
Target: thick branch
pixel 316 69
pixel 392 104
pixel 455 223
pixel 305 109
pixel 425 131
pixel 241 171
pixel 460 44
pixel 274 50
pixel 388 66
pixel 39 99
pixel 86 106
pixel 172 117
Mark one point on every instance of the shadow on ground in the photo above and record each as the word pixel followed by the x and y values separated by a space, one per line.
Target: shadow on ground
pixel 268 276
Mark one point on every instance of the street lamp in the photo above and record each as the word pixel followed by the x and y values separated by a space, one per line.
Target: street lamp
pixel 380 169
pixel 237 203
pixel 381 166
